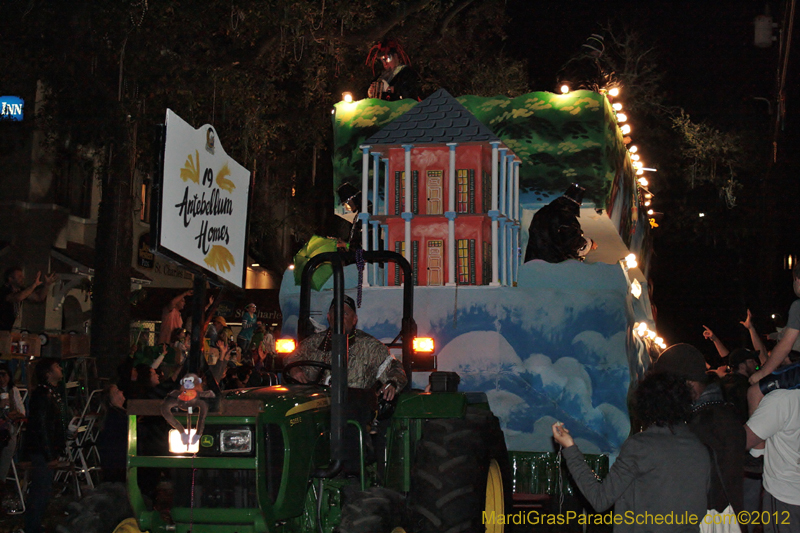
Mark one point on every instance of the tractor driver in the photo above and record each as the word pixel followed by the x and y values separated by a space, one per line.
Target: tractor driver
pixel 369 361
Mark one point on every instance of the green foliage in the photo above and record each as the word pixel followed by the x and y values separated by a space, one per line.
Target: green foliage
pixel 710 155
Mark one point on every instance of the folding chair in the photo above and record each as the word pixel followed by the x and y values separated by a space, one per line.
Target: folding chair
pixel 81 450
pixel 14 474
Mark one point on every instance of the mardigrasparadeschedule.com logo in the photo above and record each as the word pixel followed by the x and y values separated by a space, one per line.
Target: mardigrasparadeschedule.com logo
pixel 11 108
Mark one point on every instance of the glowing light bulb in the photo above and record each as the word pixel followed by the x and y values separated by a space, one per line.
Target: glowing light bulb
pixel 647 203
pixel 614 91
pixel 564 89
pixel 650 211
pixel 622 117
pixel 659 341
pixel 636 288
pixel 651 334
pixel 616 106
pixel 347 97
pixel 637 165
pixel 633 149
pixel 291 267
pixel 634 157
pixel 626 129
pixel 643 182
pixel 640 172
pixel 630 261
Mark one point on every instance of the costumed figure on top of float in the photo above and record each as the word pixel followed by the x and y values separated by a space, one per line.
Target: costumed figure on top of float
pixel 398 81
pixel 555 233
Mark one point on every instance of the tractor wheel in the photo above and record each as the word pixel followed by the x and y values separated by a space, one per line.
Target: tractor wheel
pixel 99 511
pixel 461 471
pixel 376 510
pixel 129 525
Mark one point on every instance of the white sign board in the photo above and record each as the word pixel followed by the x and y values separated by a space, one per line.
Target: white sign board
pixel 204 201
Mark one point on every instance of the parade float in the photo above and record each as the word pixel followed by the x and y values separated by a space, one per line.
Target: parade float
pixel 452 184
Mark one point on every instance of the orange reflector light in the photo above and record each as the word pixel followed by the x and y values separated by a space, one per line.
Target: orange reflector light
pixel 423 345
pixel 285 345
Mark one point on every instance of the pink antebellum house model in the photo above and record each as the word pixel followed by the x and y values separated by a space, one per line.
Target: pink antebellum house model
pixel 451 190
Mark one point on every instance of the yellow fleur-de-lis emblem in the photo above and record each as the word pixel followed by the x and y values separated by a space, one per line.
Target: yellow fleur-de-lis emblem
pixel 191 168
pixel 219 258
pixel 222 181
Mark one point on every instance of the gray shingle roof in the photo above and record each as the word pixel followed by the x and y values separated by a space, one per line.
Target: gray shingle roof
pixel 440 118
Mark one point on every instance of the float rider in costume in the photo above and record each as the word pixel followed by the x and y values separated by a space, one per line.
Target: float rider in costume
pixel 398 80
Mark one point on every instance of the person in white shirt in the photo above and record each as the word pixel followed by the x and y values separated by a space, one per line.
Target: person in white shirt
pixel 777 422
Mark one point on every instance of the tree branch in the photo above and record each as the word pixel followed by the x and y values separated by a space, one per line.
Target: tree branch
pixel 454 10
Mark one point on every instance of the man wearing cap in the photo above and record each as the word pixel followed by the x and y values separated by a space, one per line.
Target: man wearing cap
pixel 368 362
pixel 249 320
pixel 214 328
pixel 715 423
pixel 555 233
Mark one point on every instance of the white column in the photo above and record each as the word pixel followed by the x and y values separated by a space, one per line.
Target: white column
pixel 376 172
pixel 494 144
pixel 517 228
pixel 508 251
pixel 451 216
pixel 364 215
pixel 493 214
pixel 503 179
pixel 517 164
pixel 364 177
pixel 407 214
pixel 386 187
pixel 509 207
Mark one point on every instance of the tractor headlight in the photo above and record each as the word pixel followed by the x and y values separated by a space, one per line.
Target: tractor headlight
pixel 235 441
pixel 176 444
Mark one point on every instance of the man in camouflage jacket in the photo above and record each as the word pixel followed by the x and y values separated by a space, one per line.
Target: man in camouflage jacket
pixel 368 363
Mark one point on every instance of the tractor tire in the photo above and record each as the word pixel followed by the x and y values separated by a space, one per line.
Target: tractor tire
pixel 129 525
pixel 99 511
pixel 461 470
pixel 376 510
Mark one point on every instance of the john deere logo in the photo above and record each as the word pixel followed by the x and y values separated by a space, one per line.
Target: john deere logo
pixel 207 441
pixel 11 108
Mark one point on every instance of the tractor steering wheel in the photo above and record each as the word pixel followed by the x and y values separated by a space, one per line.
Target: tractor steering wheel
pixel 287 376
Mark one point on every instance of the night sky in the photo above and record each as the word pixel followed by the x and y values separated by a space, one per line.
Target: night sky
pixel 713 71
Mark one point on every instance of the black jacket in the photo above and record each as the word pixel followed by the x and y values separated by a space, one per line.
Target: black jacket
pixel 47 423
pixel 555 234
pixel 717 425
pixel 404 85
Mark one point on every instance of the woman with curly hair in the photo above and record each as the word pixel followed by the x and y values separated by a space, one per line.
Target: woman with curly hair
pixel 661 474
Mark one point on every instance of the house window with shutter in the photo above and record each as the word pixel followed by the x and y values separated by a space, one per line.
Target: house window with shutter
pixel 465 190
pixel 466 261
pixel 415 261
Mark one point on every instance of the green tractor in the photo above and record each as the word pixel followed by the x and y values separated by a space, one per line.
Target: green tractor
pixel 271 459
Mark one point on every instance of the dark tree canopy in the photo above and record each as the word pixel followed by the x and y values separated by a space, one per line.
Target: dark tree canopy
pixel 265 73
